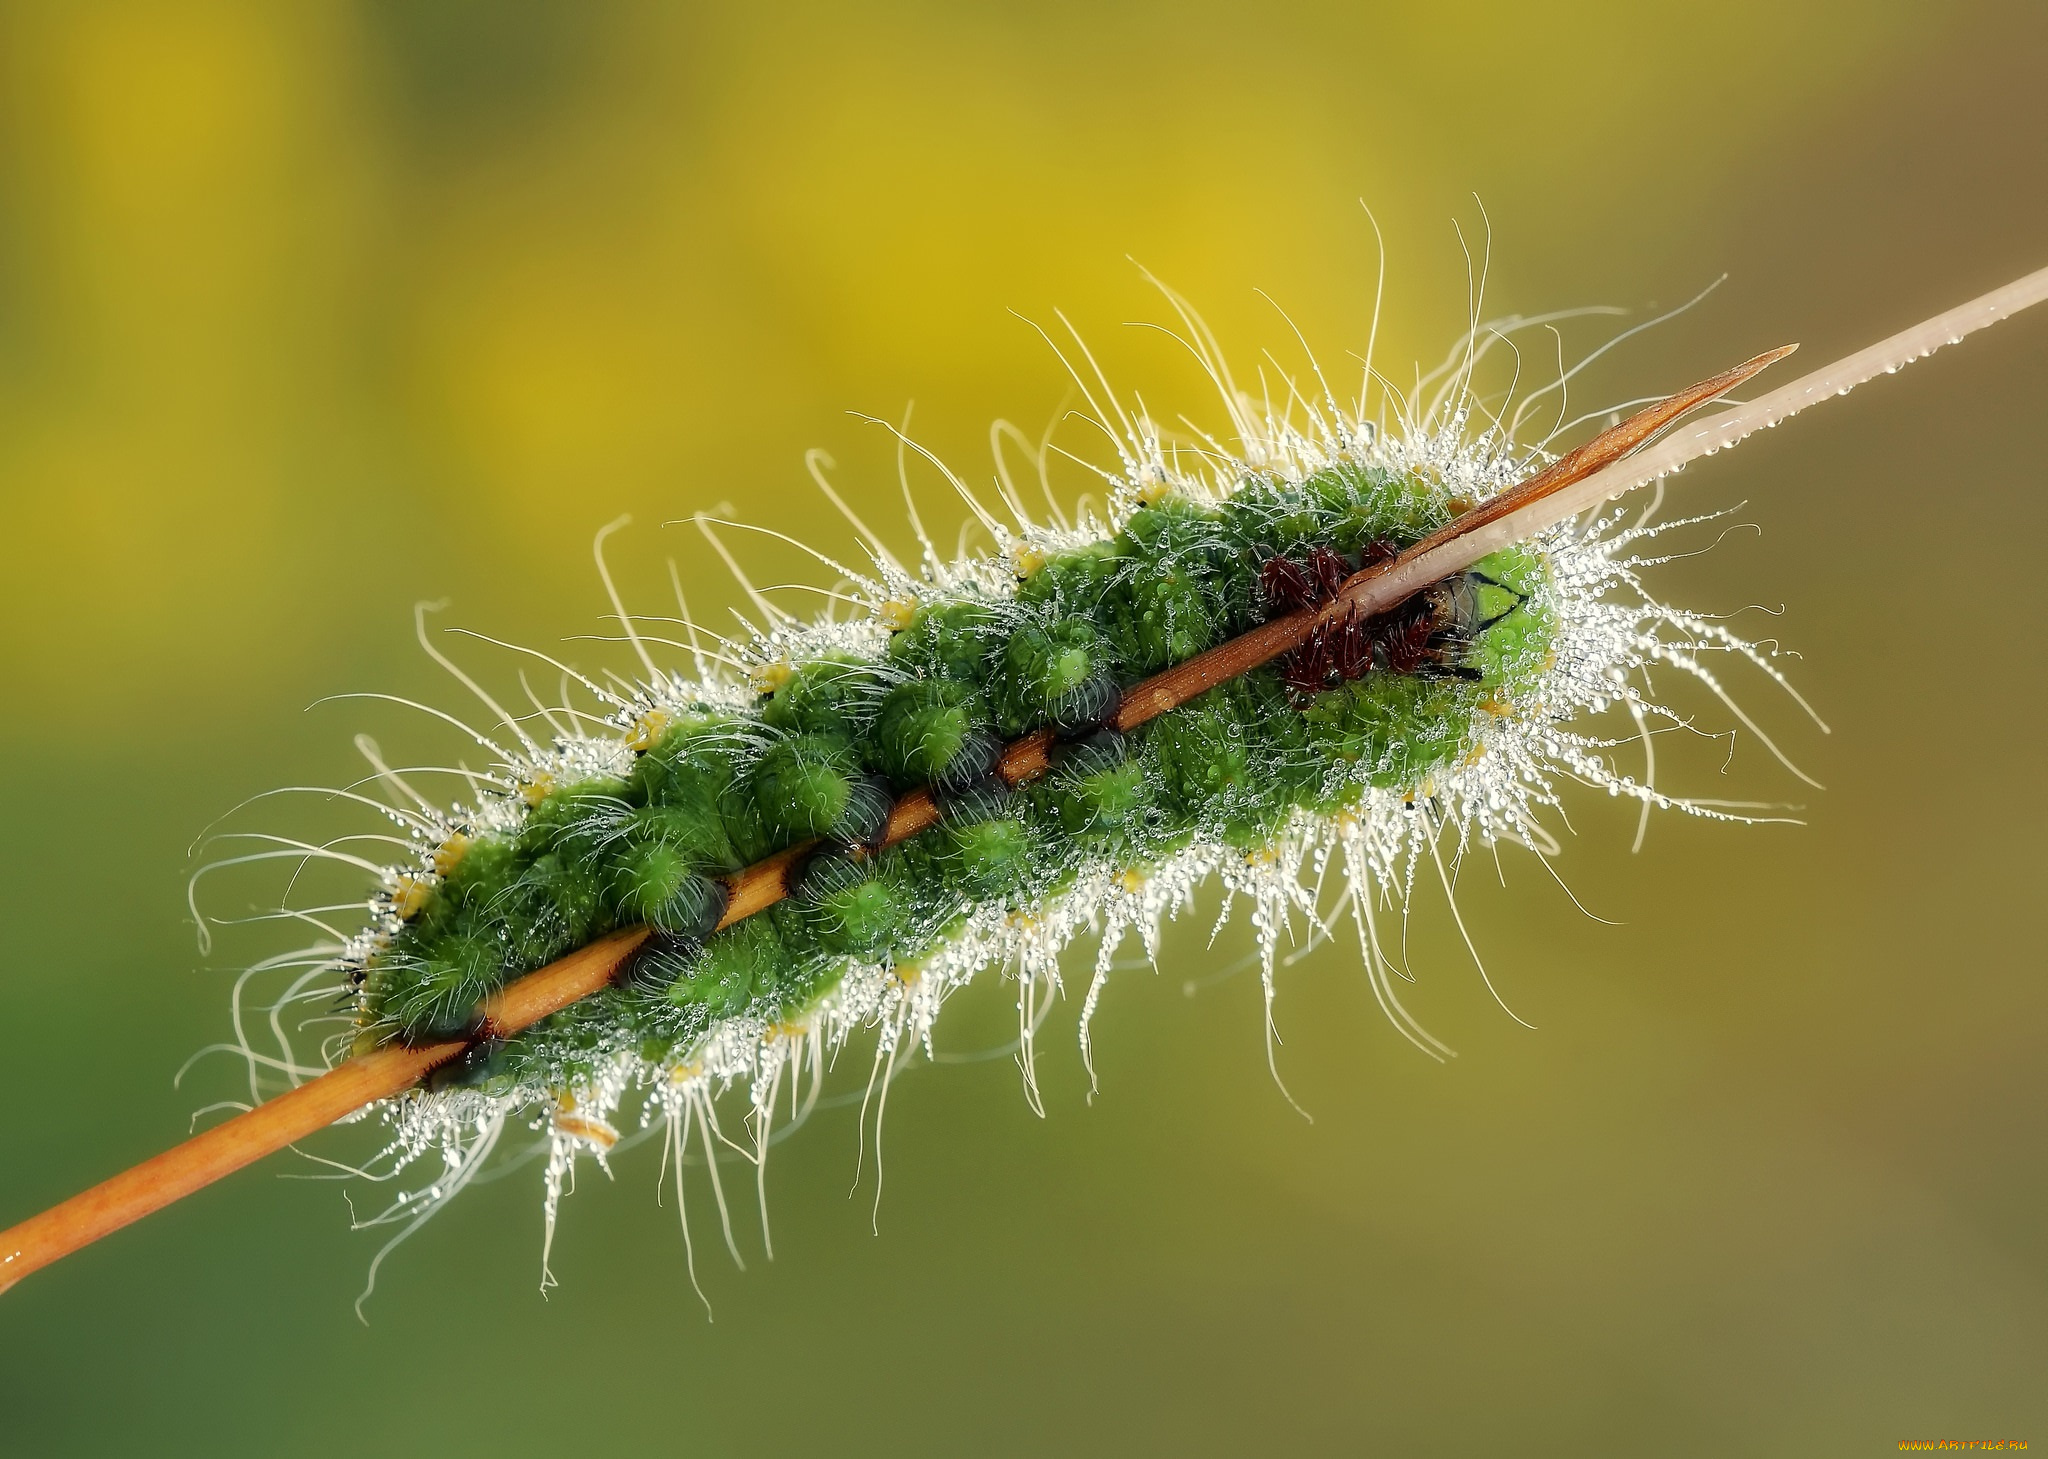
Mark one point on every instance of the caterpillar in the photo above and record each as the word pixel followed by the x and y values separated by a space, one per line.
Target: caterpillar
pixel 1309 661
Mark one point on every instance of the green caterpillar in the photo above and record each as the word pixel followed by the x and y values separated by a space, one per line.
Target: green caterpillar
pixel 1371 751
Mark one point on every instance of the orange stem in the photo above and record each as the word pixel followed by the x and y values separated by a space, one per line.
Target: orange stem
pixel 382 1073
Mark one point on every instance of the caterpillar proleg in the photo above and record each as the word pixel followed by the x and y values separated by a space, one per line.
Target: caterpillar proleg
pixel 1310 661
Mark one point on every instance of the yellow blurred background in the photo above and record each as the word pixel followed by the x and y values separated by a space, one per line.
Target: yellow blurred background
pixel 310 312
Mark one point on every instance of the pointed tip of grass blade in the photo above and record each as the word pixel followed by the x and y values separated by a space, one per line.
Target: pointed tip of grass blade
pixel 1379 588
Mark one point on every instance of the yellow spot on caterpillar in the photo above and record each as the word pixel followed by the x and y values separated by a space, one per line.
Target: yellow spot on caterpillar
pixel 684 1073
pixel 1459 505
pixel 1424 791
pixel 895 615
pixel 1154 491
pixel 647 729
pixel 1474 755
pixel 448 855
pixel 908 973
pixel 1027 560
pixel 409 896
pixel 367 1041
pixel 795 1032
pixel 587 1128
pixel 1132 882
pixel 1261 858
pixel 565 1103
pixel 538 789
pixel 1498 708
pixel 767 678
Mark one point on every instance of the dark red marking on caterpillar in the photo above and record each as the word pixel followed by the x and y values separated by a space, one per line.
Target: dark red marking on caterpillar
pixel 1428 634
pixel 1292 585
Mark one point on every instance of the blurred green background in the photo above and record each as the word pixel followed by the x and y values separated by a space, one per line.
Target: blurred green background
pixel 311 311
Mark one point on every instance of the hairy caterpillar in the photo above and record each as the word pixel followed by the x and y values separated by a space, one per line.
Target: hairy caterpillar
pixel 1313 654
